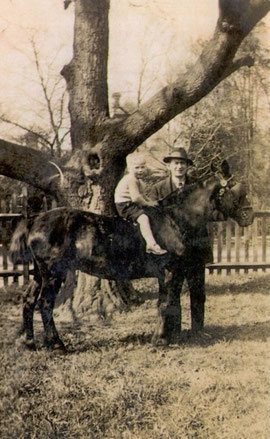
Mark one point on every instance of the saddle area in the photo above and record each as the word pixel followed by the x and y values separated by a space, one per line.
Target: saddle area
pixel 124 248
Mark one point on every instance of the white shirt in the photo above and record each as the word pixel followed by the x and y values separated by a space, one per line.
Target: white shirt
pixel 179 184
pixel 122 192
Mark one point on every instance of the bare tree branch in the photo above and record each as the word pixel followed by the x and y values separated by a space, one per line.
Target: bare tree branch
pixel 216 58
pixel 29 130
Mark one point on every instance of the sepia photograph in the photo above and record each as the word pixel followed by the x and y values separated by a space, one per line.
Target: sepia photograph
pixel 134 219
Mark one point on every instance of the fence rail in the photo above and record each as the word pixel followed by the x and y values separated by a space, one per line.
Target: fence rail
pixel 235 248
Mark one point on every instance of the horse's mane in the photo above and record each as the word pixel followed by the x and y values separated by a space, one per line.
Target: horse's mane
pixel 177 197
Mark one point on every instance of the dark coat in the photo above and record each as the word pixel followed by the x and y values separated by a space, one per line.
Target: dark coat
pixel 198 245
pixel 162 189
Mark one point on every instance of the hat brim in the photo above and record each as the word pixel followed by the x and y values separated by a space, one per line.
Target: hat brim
pixel 168 159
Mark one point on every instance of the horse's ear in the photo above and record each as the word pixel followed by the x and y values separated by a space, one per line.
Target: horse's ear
pixel 225 169
pixel 192 173
pixel 215 164
pixel 220 166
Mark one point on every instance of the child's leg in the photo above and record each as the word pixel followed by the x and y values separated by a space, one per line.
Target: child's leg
pixel 145 228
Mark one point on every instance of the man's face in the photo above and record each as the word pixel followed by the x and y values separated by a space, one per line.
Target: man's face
pixel 177 168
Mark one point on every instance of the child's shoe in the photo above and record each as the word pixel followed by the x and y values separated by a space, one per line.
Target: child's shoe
pixel 155 249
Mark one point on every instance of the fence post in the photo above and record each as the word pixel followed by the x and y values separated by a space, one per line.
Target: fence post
pixel 255 242
pixel 219 245
pixel 4 240
pixel 237 245
pixel 246 243
pixel 228 243
pixel 264 240
pixel 24 200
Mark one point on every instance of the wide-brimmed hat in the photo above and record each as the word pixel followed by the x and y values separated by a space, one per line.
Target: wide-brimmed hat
pixel 178 153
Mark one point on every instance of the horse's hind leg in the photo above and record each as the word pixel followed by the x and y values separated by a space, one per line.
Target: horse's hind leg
pixel 29 303
pixel 50 288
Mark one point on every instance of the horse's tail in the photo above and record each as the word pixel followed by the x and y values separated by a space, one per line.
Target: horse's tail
pixel 19 251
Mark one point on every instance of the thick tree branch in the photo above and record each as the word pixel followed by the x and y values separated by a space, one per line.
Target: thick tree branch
pixel 245 61
pixel 237 18
pixel 30 166
pixel 241 15
pixel 109 141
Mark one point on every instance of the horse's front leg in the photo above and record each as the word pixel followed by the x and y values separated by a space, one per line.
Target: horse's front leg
pixel 50 288
pixel 29 303
pixel 169 310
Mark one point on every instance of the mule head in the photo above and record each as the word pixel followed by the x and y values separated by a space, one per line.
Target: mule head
pixel 230 196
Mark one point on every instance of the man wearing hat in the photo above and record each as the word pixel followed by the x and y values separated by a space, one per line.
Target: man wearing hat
pixel 191 266
pixel 177 162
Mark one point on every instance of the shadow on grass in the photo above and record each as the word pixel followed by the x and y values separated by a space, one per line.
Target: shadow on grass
pixel 258 331
pixel 238 285
pixel 81 338
pixel 211 335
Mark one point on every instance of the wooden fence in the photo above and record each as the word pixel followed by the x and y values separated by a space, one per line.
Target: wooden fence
pixel 235 249
pixel 11 211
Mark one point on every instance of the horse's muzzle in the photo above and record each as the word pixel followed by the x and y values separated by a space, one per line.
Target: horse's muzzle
pixel 244 216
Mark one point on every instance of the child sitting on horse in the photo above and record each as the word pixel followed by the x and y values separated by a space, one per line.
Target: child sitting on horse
pixel 130 200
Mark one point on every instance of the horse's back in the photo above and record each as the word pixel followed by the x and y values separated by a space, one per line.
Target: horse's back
pixel 108 247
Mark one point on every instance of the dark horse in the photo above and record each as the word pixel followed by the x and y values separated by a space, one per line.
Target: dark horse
pixel 65 239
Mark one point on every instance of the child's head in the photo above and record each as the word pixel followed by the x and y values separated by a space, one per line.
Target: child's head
pixel 136 165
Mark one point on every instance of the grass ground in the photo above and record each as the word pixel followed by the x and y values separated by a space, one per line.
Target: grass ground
pixel 113 384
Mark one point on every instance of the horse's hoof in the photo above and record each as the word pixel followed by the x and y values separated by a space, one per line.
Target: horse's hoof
pixel 55 345
pixel 159 341
pixel 60 347
pixel 30 345
pixel 22 343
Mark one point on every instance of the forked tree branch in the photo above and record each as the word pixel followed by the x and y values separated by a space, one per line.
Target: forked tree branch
pixel 115 140
pixel 216 62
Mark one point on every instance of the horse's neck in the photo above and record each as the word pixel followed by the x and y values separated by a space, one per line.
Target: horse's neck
pixel 196 205
pixel 165 229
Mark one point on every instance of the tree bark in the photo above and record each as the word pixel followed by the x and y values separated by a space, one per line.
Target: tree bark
pixel 89 109
pixel 86 74
pixel 112 140
pixel 100 144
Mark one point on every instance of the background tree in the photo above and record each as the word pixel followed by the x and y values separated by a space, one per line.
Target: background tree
pixel 229 121
pixel 53 126
pixel 100 144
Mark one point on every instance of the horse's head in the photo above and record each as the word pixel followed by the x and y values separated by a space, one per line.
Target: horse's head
pixel 230 197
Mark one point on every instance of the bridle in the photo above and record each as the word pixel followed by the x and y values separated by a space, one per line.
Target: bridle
pixel 231 188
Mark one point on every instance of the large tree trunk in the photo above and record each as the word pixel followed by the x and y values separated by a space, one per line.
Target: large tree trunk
pixel 100 144
pixel 89 109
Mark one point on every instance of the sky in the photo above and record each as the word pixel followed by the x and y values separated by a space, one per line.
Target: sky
pixel 152 33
